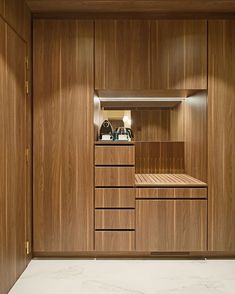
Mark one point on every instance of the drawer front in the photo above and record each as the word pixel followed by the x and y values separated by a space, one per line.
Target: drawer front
pixel 171 225
pixel 180 193
pixel 115 241
pixel 114 176
pixel 118 219
pixel 115 198
pixel 114 155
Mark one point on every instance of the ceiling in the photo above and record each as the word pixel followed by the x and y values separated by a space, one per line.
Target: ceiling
pixel 135 6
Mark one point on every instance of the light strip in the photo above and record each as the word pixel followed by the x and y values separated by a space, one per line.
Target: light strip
pixel 141 99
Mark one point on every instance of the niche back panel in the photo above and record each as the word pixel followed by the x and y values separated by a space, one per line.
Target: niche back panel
pixel 63 136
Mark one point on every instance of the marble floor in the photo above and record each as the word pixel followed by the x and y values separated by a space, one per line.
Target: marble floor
pixel 127 277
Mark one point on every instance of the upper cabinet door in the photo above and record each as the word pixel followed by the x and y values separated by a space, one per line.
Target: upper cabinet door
pixel 122 54
pixel 179 54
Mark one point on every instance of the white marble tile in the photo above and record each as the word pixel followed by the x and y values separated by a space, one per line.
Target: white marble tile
pixel 127 277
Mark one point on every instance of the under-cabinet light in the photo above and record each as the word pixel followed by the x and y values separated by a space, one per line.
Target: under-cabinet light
pixel 141 99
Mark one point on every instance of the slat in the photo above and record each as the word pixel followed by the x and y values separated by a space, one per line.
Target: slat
pixel 175 180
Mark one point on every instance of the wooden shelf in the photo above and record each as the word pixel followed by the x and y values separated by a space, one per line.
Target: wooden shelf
pixel 167 180
pixel 114 143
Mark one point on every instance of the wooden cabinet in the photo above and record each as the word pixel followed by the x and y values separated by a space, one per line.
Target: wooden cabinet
pixel 179 54
pixel 221 106
pixel 114 176
pixel 150 55
pixel 122 54
pixel 114 198
pixel 63 136
pixel 12 157
pixel 115 155
pixel 171 193
pixel 114 241
pixel 171 225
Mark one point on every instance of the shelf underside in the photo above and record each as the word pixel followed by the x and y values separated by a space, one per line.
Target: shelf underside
pixel 167 180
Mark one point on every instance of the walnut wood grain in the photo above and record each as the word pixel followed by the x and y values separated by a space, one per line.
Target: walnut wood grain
pixel 122 59
pixel 171 193
pixel 171 225
pixel 115 198
pixel 167 180
pixel 196 136
pixel 115 155
pixel 63 136
pixel 115 219
pixel 115 241
pixel 221 107
pixel 114 176
pixel 157 6
pixel 179 54
pixel 159 157
pixel 12 157
pixel 16 15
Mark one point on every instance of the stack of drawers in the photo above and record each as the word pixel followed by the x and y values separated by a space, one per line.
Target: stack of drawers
pixel 115 197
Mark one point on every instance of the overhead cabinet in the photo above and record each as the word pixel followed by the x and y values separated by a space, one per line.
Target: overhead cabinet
pixel 150 55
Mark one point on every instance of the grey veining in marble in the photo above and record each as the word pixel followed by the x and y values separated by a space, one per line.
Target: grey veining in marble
pixel 127 277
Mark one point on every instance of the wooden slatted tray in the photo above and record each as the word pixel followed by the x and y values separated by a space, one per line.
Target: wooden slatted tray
pixel 167 180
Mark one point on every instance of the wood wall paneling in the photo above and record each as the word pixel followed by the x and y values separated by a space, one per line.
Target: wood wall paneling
pixel 2 7
pixel 221 107
pixel 179 54
pixel 13 163
pixel 171 225
pixel 16 14
pixel 196 136
pixel 159 157
pixel 122 61
pixel 63 136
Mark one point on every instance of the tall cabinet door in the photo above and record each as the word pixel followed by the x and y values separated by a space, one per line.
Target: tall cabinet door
pixel 12 157
pixel 179 54
pixel 63 136
pixel 221 99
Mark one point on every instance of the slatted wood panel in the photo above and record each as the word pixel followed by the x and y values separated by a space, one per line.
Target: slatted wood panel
pixel 169 180
pixel 133 6
pixel 171 225
pixel 12 157
pixel 1 7
pixel 122 59
pixel 179 54
pixel 221 107
pixel 63 136
pixel 159 157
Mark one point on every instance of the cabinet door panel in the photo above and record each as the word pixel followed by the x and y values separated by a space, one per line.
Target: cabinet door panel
pixel 12 157
pixel 122 58
pixel 221 106
pixel 63 136
pixel 179 54
pixel 171 225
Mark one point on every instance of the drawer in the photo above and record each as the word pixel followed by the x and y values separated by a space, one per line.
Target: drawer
pixel 180 193
pixel 115 198
pixel 115 219
pixel 114 176
pixel 115 241
pixel 115 155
